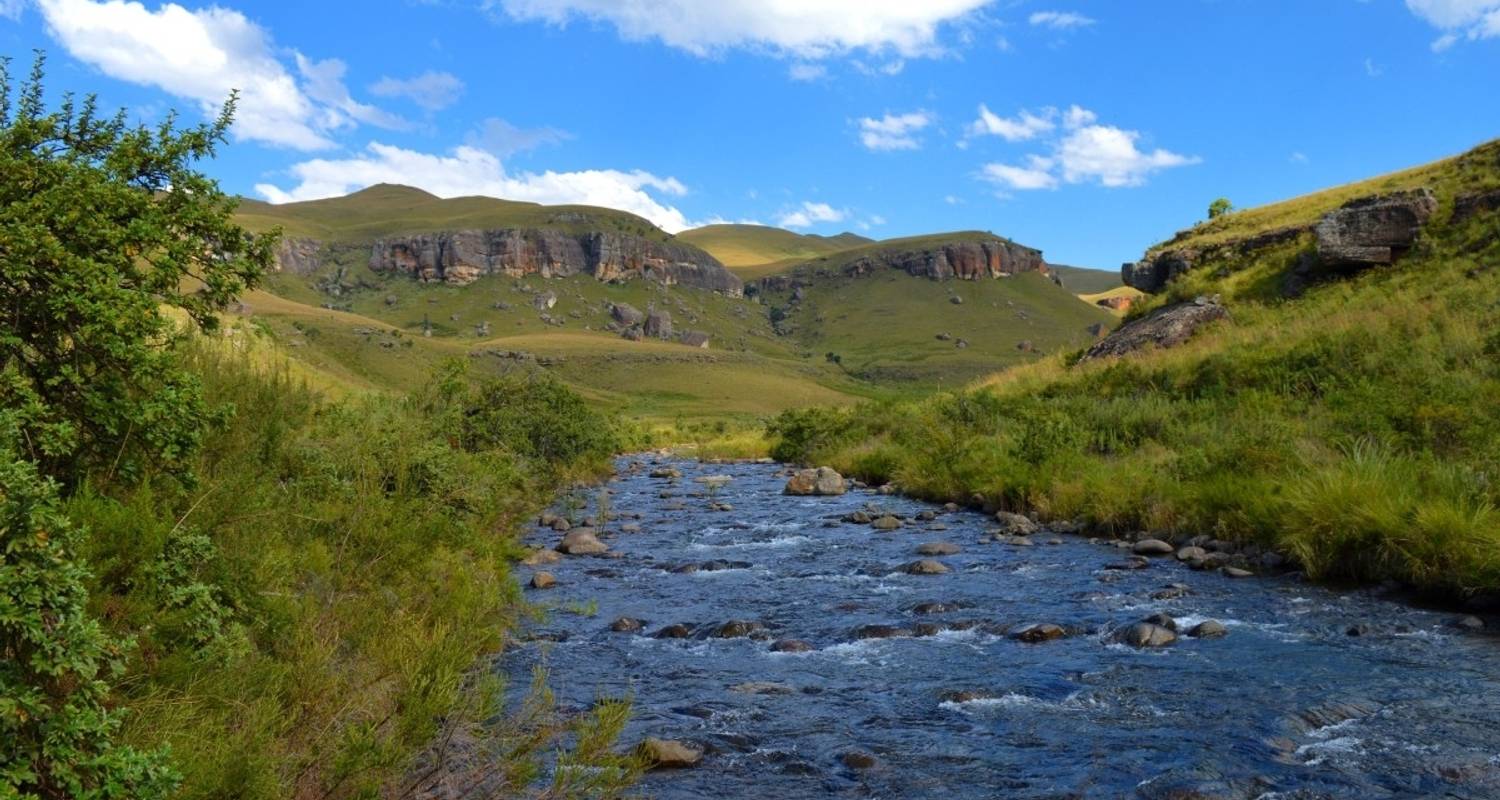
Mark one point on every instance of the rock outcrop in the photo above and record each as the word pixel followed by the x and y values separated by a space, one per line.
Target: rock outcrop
pixel 1373 230
pixel 460 257
pixel 1151 274
pixel 1475 203
pixel 957 259
pixel 1165 327
pixel 299 256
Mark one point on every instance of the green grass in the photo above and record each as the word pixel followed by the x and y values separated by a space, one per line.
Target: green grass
pixel 386 209
pixel 753 251
pixel 1082 280
pixel 1356 428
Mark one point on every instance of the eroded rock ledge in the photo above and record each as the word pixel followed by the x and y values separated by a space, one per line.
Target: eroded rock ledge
pixel 461 257
pixel 957 259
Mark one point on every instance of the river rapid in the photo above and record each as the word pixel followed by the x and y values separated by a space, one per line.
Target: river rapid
pixel 917 685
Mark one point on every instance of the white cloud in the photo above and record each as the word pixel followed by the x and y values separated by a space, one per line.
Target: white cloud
pixel 809 214
pixel 504 139
pixel 893 131
pixel 1060 20
pixel 11 9
pixel 1109 156
pixel 804 28
pixel 1298 157
pixel 471 171
pixel 1084 152
pixel 1470 19
pixel 1021 128
pixel 431 90
pixel 803 71
pixel 1036 176
pixel 1372 69
pixel 202 55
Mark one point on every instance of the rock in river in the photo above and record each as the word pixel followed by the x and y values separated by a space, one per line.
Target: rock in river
pixel 1040 632
pixel 1144 634
pixel 791 646
pixel 670 754
pixel 543 580
pixel 886 523
pixel 1152 547
pixel 820 481
pixel 1208 629
pixel 581 542
pixel 1015 524
pixel 626 625
pixel 925 567
pixel 937 549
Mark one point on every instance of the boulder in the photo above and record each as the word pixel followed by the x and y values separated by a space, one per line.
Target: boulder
pixel 581 542
pixel 626 314
pixel 543 580
pixel 627 625
pixel 1152 547
pixel 881 632
pixel 658 324
pixel 925 567
pixel 1190 553
pixel 669 753
pixel 858 759
pixel 1015 524
pixel 1469 623
pixel 1144 634
pixel 1208 629
pixel 937 549
pixel 738 629
pixel 665 472
pixel 695 339
pixel 1039 632
pixel 674 631
pixel 539 557
pixel 1373 230
pixel 1236 572
pixel 1164 620
pixel 1168 326
pixel 820 481
pixel 886 523
pixel 543 301
pixel 791 646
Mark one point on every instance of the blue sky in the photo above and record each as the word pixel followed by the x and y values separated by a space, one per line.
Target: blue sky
pixel 1088 129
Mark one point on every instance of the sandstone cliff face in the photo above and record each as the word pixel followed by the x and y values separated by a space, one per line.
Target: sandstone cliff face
pixel 299 256
pixel 964 260
pixel 460 257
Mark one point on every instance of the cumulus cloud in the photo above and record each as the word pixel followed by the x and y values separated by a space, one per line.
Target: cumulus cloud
pixel 468 170
pixel 433 91
pixel 804 71
pixel 893 131
pixel 1083 152
pixel 1059 20
pixel 202 55
pixel 11 9
pixel 1459 19
pixel 809 214
pixel 806 29
pixel 503 139
pixel 1020 128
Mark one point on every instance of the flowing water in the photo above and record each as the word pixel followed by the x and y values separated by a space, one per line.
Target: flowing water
pixel 1287 705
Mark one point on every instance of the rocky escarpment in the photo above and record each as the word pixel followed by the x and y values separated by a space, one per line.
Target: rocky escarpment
pixel 1361 233
pixel 960 259
pixel 460 257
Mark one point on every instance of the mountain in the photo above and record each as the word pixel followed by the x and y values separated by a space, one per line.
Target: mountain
pixel 753 251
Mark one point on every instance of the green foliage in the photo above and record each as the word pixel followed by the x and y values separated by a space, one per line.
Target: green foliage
pixel 1219 208
pixel 531 414
pixel 58 730
pixel 802 432
pixel 101 224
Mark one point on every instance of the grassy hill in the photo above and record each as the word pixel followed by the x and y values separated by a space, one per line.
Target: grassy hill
pixel 1083 280
pixel 1355 428
pixel 754 251
pixel 386 209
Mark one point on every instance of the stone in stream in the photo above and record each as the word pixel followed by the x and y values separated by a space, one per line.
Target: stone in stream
pixel 666 472
pixel 539 557
pixel 1014 541
pixel 627 625
pixel 927 516
pixel 560 524
pixel 791 646
pixel 543 580
pixel 1163 620
pixel 669 753
pixel 674 631
pixel 1134 562
pixel 925 567
pixel 630 527
pixel 937 608
pixel 1191 553
pixel 738 628
pixel 1144 634
pixel 937 549
pixel 1039 632
pixel 965 695
pixel 1152 547
pixel 1469 623
pixel 881 632
pixel 951 508
pixel 1171 591
pixel 581 542
pixel 886 523
pixel 1015 524
pixel 858 759
pixel 858 518
pixel 1236 572
pixel 1208 629
pixel 546 519
pixel 822 481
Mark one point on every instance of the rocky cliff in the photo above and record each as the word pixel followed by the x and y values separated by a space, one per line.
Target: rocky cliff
pixel 958 258
pixel 460 257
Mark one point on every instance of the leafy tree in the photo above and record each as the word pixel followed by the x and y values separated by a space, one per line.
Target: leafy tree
pixel 104 227
pixel 1219 208
pixel 56 731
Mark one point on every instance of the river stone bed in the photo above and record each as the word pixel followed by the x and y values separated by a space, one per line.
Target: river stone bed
pixel 897 684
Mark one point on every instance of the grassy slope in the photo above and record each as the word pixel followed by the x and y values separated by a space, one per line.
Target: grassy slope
pixel 1355 428
pixel 754 251
pixel 387 209
pixel 1082 280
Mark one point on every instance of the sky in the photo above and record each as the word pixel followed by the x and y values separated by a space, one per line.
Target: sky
pixel 1088 129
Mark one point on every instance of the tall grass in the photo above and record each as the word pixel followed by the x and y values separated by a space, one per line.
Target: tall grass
pixel 308 615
